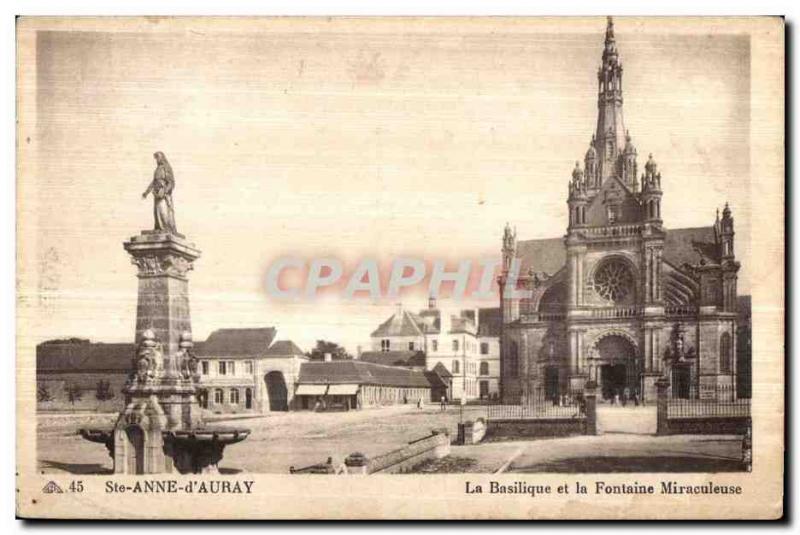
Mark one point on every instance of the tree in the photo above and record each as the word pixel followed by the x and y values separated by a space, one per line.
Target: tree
pixel 74 393
pixel 43 393
pixel 103 391
pixel 323 346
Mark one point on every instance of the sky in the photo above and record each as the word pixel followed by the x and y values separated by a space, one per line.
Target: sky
pixel 338 140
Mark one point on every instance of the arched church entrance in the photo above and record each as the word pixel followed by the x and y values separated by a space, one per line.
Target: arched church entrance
pixel 276 391
pixel 615 364
pixel 615 356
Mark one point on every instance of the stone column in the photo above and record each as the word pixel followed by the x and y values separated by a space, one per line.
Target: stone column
pixel 163 262
pixel 590 397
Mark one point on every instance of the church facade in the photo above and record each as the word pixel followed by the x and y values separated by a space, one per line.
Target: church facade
pixel 620 299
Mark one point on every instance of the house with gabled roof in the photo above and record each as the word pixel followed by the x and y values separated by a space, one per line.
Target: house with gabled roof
pixel 454 340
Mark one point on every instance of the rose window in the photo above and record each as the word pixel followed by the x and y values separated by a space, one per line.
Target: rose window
pixel 613 281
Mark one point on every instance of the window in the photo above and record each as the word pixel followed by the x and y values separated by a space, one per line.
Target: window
pixel 234 396
pixel 456 366
pixel 231 367
pixel 613 281
pixel 484 389
pixel 455 345
pixel 248 367
pixel 484 348
pixel 725 353
pixel 484 368
pixel 218 396
pixel 434 345
pixel 204 367
pixel 222 367
pixel 513 359
pixel 411 346
pixel 385 345
pixel 248 398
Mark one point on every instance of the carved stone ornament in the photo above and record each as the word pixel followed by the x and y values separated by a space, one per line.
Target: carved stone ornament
pixel 187 362
pixel 677 352
pixel 148 358
pixel 172 265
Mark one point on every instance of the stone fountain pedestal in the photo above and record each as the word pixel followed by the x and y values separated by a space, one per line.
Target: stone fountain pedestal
pixel 160 430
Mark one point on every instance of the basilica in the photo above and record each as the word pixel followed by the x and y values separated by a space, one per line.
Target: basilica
pixel 619 300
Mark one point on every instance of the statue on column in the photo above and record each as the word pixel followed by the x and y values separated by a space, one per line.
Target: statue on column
pixel 161 187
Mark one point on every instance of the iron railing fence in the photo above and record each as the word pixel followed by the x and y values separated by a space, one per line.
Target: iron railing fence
pixel 707 401
pixel 570 405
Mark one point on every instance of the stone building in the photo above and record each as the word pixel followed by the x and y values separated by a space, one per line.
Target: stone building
pixel 76 374
pixel 620 298
pixel 465 343
pixel 245 370
pixel 241 370
pixel 353 384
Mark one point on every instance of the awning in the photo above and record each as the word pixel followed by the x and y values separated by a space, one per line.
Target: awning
pixel 342 390
pixel 311 390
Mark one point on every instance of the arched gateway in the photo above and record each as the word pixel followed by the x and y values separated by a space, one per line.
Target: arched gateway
pixel 277 393
pixel 614 364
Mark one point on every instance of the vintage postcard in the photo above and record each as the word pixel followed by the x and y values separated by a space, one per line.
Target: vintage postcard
pixel 400 268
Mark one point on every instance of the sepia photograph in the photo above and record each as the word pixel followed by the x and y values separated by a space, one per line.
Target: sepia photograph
pixel 536 263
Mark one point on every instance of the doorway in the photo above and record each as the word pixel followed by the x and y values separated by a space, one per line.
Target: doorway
pixel 613 380
pixel 483 389
pixel 551 390
pixel 680 382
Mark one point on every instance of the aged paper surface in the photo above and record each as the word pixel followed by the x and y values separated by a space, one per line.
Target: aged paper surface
pixel 400 268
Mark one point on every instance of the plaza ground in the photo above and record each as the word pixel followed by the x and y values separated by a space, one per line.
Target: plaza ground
pixel 281 440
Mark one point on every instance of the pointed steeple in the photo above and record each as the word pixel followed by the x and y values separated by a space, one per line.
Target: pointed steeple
pixel 610 133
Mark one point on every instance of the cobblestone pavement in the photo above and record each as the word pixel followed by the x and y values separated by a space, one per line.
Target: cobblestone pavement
pixel 608 452
pixel 278 440
pixel 281 440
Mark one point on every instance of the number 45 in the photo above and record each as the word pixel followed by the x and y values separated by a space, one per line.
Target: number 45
pixel 76 486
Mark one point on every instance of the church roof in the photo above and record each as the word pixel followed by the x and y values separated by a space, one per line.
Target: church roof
pixel 683 245
pixel 248 342
pixel 547 255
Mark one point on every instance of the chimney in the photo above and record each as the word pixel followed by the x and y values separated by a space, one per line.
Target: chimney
pixel 328 357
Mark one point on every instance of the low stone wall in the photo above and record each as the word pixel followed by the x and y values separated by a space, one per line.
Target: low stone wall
pixel 498 430
pixel 716 425
pixel 434 446
pixel 402 460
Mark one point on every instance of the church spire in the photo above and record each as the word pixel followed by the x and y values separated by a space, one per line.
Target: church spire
pixel 610 134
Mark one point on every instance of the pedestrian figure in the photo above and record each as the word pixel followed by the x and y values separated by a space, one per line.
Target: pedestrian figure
pixel 625 395
pixel 443 404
